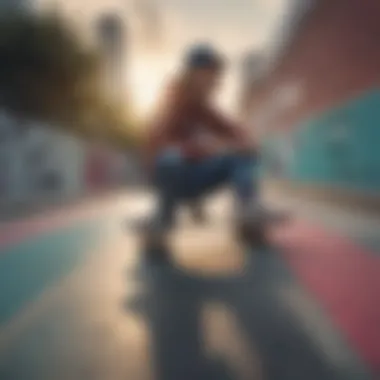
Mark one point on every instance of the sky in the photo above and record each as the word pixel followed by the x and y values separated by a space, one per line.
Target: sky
pixel 155 42
pixel 234 26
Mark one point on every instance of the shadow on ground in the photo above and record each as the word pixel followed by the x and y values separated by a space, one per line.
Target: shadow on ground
pixel 172 304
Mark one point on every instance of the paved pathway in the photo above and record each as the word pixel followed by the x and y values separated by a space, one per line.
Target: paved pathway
pixel 77 302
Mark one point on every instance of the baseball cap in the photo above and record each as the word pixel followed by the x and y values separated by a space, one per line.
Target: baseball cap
pixel 203 56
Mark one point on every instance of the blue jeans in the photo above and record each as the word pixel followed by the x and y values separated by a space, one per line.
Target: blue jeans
pixel 179 180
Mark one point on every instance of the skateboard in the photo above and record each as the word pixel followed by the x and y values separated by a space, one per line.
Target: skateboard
pixel 255 235
pixel 156 246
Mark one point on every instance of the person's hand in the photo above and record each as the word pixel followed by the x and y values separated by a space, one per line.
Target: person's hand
pixel 213 145
pixel 245 146
pixel 205 146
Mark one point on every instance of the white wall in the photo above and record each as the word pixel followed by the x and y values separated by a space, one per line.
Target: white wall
pixel 11 165
pixel 68 159
pixel 39 162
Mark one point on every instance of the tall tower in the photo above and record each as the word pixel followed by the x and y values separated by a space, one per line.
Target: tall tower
pixel 251 70
pixel 150 16
pixel 111 35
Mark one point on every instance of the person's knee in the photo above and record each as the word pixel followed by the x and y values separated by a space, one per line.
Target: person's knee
pixel 251 156
pixel 244 159
pixel 168 165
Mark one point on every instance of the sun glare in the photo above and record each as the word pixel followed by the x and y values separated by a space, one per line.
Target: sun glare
pixel 147 80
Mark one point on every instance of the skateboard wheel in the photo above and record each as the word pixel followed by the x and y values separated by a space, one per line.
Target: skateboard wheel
pixel 253 235
pixel 155 248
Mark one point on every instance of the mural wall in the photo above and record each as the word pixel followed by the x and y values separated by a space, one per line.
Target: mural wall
pixel 337 148
pixel 40 163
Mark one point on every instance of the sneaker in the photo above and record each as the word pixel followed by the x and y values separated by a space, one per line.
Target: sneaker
pixel 155 242
pixel 198 212
pixel 257 213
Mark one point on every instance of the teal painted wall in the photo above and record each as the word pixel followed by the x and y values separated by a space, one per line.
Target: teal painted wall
pixel 338 148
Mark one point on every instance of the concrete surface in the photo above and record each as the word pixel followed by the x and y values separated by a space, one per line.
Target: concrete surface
pixel 352 199
pixel 78 302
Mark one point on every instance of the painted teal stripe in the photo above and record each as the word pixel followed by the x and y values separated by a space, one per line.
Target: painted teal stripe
pixel 30 267
pixel 338 148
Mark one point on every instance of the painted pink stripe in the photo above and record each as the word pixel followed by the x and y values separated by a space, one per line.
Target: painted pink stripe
pixel 344 277
pixel 16 232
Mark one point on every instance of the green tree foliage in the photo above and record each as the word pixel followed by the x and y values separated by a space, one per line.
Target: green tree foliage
pixel 47 73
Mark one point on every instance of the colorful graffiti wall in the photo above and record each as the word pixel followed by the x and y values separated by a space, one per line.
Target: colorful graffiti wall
pixel 338 148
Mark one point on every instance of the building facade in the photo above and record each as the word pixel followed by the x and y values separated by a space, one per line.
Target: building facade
pixel 319 101
pixel 40 162
pixel 252 66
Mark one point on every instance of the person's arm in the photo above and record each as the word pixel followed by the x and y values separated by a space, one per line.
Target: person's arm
pixel 162 133
pixel 232 131
pixel 158 134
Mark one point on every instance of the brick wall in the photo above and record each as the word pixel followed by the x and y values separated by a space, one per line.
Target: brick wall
pixel 333 57
pixel 328 135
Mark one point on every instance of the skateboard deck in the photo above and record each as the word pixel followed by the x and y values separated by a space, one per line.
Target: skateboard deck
pixel 216 237
pixel 216 233
pixel 210 249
